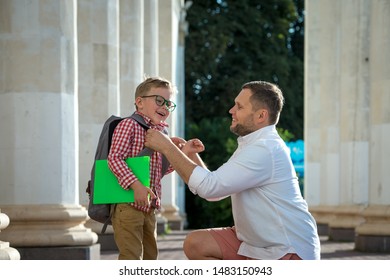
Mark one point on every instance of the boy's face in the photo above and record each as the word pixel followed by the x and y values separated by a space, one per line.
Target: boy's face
pixel 149 107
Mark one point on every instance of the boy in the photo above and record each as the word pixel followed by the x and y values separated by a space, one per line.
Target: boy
pixel 134 224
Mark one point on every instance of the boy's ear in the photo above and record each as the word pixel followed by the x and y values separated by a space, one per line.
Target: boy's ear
pixel 138 102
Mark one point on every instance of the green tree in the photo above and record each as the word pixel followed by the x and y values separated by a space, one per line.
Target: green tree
pixel 229 43
pixel 219 143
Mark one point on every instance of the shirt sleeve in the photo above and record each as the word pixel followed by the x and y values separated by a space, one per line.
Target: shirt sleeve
pixel 248 168
pixel 122 140
pixel 169 170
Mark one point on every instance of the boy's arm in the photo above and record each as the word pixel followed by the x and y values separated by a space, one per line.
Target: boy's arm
pixel 120 148
pixel 191 148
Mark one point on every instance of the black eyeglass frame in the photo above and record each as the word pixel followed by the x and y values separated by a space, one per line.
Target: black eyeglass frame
pixel 160 101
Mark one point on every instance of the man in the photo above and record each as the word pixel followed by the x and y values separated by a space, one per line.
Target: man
pixel 271 218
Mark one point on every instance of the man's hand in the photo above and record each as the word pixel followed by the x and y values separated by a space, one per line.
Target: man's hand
pixel 157 141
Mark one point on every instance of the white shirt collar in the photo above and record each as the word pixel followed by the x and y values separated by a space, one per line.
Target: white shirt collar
pixel 255 135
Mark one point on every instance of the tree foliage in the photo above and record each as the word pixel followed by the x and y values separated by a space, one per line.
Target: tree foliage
pixel 229 43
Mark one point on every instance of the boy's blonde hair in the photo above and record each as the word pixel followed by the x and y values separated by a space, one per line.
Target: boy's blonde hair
pixel 153 82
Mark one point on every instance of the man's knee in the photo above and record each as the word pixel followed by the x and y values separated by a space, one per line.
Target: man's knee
pixel 189 245
pixel 200 245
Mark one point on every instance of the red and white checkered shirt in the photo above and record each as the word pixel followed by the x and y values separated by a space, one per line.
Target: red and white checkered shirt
pixel 127 141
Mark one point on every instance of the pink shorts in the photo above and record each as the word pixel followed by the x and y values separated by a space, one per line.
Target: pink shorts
pixel 229 244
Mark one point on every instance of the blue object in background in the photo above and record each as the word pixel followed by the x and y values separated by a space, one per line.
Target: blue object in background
pixel 297 153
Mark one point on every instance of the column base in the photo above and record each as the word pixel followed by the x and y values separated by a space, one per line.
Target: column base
pixel 342 234
pixel 7 252
pixel 176 225
pixel 60 253
pixel 374 234
pixel 323 229
pixel 347 218
pixel 43 225
pixel 372 243
pixel 323 215
pixel 162 225
pixel 175 221
pixel 107 242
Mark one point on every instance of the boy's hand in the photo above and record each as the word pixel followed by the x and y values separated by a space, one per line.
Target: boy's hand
pixel 193 146
pixel 141 194
pixel 179 142
pixel 190 146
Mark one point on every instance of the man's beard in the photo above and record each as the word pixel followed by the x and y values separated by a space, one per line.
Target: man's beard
pixel 241 130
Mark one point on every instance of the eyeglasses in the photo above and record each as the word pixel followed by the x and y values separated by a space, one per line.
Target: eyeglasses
pixel 160 101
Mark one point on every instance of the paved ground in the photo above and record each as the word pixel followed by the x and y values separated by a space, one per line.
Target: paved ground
pixel 170 248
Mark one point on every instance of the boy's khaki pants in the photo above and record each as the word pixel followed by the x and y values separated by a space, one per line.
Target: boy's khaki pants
pixel 135 233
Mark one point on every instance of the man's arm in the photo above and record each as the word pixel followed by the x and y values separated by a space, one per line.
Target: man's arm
pixel 183 165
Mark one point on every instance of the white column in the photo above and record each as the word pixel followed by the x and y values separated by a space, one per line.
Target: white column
pixel 151 58
pixel 349 193
pixel 322 92
pixel 39 125
pixel 354 118
pixel 131 57
pixel 338 182
pixel 374 233
pixel 169 21
pixel 98 81
pixel 180 100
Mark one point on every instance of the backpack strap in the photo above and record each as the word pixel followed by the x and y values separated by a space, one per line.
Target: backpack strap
pixel 108 221
pixel 147 151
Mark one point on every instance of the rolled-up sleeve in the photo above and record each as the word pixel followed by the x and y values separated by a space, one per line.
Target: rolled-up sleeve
pixel 247 168
pixel 197 178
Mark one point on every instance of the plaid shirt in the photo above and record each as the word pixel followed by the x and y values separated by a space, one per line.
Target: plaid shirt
pixel 127 141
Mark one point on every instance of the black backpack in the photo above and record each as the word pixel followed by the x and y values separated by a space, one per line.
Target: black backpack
pixel 102 212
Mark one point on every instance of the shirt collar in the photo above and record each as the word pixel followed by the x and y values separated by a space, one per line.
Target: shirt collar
pixel 257 134
pixel 148 121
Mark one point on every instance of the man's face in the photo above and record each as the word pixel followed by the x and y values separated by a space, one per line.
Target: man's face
pixel 243 116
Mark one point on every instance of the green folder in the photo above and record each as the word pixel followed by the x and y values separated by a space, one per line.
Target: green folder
pixel 106 187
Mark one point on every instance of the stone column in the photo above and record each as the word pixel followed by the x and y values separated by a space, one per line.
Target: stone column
pixel 98 84
pixel 343 86
pixel 348 157
pixel 151 59
pixel 131 56
pixel 39 132
pixel 374 233
pixel 322 92
pixel 6 252
pixel 151 66
pixel 180 99
pixel 354 119
pixel 169 20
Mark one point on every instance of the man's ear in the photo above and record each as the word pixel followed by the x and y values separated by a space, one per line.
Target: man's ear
pixel 262 115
